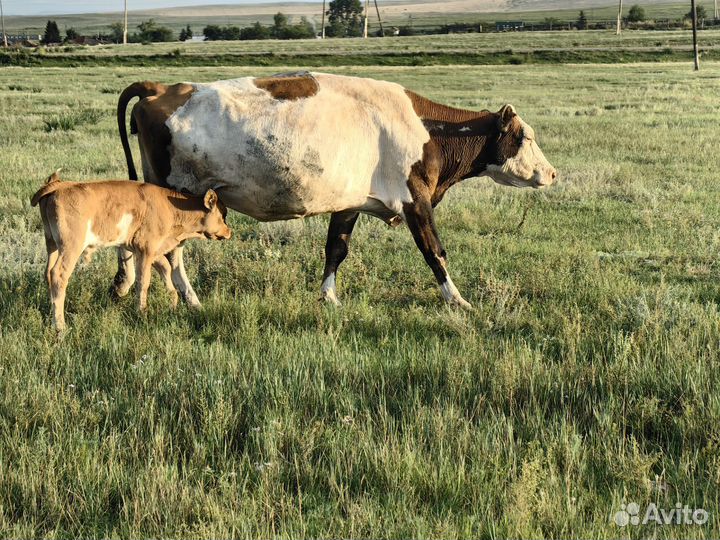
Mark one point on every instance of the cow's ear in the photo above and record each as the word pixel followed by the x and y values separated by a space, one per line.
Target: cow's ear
pixel 211 199
pixel 505 116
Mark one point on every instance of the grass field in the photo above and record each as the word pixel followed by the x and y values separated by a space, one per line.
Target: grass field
pixel 585 377
pixel 471 49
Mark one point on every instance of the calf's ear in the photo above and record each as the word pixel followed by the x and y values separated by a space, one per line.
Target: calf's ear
pixel 505 116
pixel 54 177
pixel 211 199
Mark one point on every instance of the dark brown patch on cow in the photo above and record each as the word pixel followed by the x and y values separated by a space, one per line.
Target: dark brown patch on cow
pixel 512 135
pixel 150 115
pixel 157 103
pixel 289 87
pixel 463 142
pixel 428 109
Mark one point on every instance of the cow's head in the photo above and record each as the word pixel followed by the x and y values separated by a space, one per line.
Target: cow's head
pixel 518 160
pixel 214 225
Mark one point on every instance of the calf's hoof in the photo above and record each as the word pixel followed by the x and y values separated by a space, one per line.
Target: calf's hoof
pixel 117 293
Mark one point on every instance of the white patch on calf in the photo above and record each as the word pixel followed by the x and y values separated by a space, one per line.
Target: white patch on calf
pixel 124 228
pixel 355 140
pixel 91 239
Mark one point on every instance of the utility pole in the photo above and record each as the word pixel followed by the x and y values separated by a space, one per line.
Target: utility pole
pixel 382 31
pixel 717 14
pixel 619 21
pixel 365 28
pixel 125 26
pixel 2 18
pixel 694 25
pixel 323 21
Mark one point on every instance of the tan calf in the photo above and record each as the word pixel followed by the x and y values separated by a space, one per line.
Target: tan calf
pixel 145 219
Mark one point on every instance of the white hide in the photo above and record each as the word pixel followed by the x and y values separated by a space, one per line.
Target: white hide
pixel 123 226
pixel 328 290
pixel 528 168
pixel 347 147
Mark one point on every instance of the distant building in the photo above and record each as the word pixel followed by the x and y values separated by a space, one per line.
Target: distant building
pixel 509 26
pixel 20 39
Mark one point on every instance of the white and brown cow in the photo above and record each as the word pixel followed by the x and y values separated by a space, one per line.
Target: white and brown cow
pixel 302 144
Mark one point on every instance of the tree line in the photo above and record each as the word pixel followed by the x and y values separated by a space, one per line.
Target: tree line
pixel 344 20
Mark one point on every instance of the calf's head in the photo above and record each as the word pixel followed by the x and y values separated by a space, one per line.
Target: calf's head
pixel 518 160
pixel 213 222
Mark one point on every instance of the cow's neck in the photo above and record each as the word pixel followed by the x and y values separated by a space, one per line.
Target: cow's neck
pixel 458 141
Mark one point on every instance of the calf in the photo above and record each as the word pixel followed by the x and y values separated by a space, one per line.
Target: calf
pixel 146 219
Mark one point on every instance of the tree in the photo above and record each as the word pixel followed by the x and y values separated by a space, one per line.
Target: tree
pixel 256 31
pixel 552 22
pixel 212 32
pixel 71 34
pixel 282 30
pixel 582 21
pixel 231 33
pixel 186 33
pixel 636 14
pixel 52 33
pixel 344 18
pixel 116 32
pixel 280 19
pixel 151 32
pixel 701 13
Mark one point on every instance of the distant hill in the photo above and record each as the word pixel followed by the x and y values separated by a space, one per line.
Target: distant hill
pixel 396 12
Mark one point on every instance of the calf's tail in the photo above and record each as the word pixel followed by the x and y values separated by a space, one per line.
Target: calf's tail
pixel 52 184
pixel 140 90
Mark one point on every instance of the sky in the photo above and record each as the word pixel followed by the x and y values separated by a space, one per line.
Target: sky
pixel 61 7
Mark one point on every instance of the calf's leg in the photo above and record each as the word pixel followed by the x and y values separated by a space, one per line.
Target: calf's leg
pixel 336 249
pixel 143 264
pixel 180 279
pixel 163 268
pixel 125 276
pixel 58 277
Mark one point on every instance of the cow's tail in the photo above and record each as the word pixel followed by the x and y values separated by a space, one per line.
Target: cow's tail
pixel 52 184
pixel 135 90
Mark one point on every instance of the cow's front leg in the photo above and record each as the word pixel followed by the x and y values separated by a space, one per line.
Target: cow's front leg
pixel 125 276
pixel 336 249
pixel 419 218
pixel 180 279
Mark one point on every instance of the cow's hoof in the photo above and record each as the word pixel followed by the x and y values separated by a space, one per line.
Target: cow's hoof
pixel 459 301
pixel 329 298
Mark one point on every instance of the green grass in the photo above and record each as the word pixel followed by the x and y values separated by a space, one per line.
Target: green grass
pixel 586 375
pixel 468 49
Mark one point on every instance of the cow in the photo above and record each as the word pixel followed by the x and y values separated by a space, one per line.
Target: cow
pixel 145 219
pixel 300 144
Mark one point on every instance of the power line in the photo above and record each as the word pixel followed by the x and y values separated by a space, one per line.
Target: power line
pixel 125 26
pixel 2 18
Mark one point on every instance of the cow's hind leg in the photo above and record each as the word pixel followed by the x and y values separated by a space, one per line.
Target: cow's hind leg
pixel 180 279
pixel 420 221
pixel 336 249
